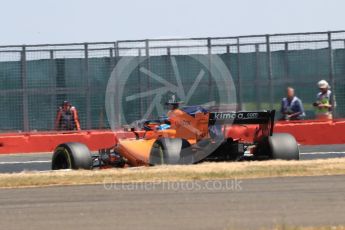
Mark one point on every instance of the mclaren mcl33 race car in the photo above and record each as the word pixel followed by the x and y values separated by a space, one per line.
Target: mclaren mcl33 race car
pixel 191 135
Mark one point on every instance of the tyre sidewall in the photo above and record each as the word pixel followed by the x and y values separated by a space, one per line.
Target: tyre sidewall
pixel 283 146
pixel 78 155
pixel 168 151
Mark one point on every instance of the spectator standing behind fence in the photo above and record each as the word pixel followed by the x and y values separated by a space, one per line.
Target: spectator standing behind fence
pixel 291 106
pixel 67 117
pixel 325 102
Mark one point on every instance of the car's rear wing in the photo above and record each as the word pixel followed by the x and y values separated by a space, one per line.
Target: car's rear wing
pixel 259 117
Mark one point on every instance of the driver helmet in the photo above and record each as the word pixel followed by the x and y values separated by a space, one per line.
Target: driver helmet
pixel 172 102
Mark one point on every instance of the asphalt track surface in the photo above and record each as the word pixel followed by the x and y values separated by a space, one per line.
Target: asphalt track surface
pixel 42 161
pixel 226 204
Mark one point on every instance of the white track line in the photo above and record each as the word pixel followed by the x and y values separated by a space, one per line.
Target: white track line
pixel 320 153
pixel 22 162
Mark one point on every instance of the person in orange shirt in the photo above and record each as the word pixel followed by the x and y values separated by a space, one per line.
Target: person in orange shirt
pixel 67 117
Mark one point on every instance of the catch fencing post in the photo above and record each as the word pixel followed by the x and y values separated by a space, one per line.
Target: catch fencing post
pixel 25 90
pixel 116 49
pixel 111 56
pixel 227 49
pixel 53 85
pixel 257 77
pixel 238 90
pixel 331 68
pixel 209 53
pixel 140 84
pixel 116 60
pixel 111 61
pixel 270 74
pixel 88 87
pixel 169 51
pixel 51 54
pixel 147 53
pixel 286 64
pixel 111 53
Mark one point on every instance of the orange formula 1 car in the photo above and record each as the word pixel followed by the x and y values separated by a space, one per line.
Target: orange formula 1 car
pixel 190 135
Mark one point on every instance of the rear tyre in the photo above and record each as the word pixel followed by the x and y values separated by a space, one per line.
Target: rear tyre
pixel 283 146
pixel 167 151
pixel 72 155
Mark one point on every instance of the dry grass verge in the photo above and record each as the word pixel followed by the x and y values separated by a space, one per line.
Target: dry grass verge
pixel 205 171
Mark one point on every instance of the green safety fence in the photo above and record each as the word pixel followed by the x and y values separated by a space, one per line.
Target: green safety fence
pixel 32 89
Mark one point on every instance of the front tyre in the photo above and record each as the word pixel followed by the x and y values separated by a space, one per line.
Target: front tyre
pixel 168 151
pixel 72 155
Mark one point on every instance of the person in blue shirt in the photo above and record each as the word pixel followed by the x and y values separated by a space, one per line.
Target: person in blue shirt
pixel 291 106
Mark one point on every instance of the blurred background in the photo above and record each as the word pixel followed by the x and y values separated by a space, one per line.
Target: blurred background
pixel 56 63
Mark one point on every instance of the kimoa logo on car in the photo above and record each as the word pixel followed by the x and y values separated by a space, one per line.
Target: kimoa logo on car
pixel 223 116
pixel 234 115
